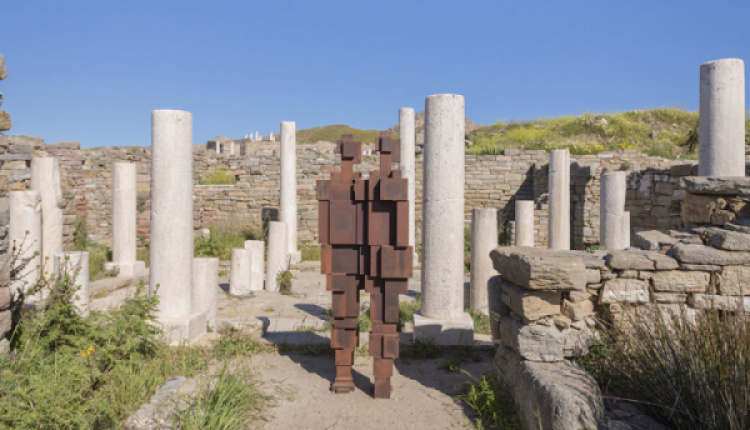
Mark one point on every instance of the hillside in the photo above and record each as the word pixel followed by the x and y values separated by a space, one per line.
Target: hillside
pixel 332 133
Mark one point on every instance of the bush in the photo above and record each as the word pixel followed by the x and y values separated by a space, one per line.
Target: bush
pixel 688 373
pixel 224 237
pixel 217 177
pixel 99 254
pixel 310 252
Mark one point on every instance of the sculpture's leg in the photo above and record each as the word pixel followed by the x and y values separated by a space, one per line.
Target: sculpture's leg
pixel 345 309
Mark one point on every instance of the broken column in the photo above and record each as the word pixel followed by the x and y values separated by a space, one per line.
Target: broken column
pixel 407 136
pixel 25 238
pixel 278 257
pixel 171 268
pixel 525 223
pixel 240 274
pixel 288 195
pixel 73 267
pixel 626 230
pixel 124 221
pixel 483 241
pixel 611 212
pixel 206 288
pixel 257 263
pixel 442 317
pixel 722 118
pixel 45 178
pixel 559 199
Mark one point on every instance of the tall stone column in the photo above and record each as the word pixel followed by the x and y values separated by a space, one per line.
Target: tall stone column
pixel 483 241
pixel 408 167
pixel 559 199
pixel 442 317
pixel 278 256
pixel 171 268
pixel 206 288
pixel 288 195
pixel 626 229
pixel 25 240
pixel 75 267
pixel 240 275
pixel 525 223
pixel 612 206
pixel 257 263
pixel 722 118
pixel 124 221
pixel 45 178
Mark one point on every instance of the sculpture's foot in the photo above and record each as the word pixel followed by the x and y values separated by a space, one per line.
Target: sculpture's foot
pixel 342 386
pixel 382 388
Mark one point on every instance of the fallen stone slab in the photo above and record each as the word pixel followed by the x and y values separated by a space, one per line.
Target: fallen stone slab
pixel 552 396
pixel 735 281
pixel 681 281
pixel 730 186
pixel 158 413
pixel 723 303
pixel 540 269
pixel 728 240
pixel 663 262
pixel 701 254
pixel 630 260
pixel 653 240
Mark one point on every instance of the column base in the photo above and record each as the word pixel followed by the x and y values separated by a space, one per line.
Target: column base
pixel 131 269
pixel 459 331
pixel 183 329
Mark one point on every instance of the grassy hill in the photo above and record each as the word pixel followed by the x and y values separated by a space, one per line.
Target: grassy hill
pixel 332 133
pixel 664 132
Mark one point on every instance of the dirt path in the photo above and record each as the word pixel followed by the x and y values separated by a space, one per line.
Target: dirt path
pixel 424 396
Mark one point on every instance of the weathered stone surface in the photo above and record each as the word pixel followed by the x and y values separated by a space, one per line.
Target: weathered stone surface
pixel 498 309
pixel 624 291
pixel 579 296
pixel 653 240
pixel 593 276
pixel 5 322
pixel 577 311
pixel 701 267
pixel 530 304
pixel 728 240
pixel 540 269
pixel 5 123
pixel 3 70
pixel 681 281
pixel 552 396
pixel 534 342
pixel 661 297
pixel 724 303
pixel 628 260
pixel 700 254
pixel 698 209
pixel 663 262
pixel 726 186
pixel 158 413
pixel 735 281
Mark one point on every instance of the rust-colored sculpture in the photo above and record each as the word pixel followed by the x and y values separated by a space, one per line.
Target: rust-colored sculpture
pixel 364 236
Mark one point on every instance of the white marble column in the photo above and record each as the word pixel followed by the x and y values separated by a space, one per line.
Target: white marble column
pixel 626 229
pixel 206 288
pixel 722 118
pixel 442 317
pixel 124 220
pixel 25 239
pixel 483 241
pixel 74 266
pixel 559 199
pixel 525 223
pixel 240 274
pixel 408 167
pixel 257 264
pixel 288 193
pixel 45 178
pixel 612 186
pixel 171 268
pixel 278 256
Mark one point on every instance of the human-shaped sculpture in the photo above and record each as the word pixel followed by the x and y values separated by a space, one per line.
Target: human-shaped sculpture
pixel 364 236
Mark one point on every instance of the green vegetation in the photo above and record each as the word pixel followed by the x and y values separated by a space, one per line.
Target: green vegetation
pixel 406 312
pixel 419 350
pixel 364 322
pixel 225 236
pixel 666 132
pixel 492 403
pixel 284 281
pixel 332 133
pixel 688 372
pixel 99 254
pixel 310 252
pixel 481 321
pixel 217 177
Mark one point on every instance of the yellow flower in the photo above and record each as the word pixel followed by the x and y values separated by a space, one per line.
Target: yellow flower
pixel 88 351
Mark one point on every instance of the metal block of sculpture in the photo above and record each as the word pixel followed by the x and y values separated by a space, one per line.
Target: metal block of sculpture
pixel 364 236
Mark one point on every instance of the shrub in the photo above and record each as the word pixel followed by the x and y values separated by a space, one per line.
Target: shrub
pixel 491 402
pixel 686 372
pixel 225 236
pixel 99 254
pixel 217 177
pixel 284 281
pixel 310 252
pixel 481 321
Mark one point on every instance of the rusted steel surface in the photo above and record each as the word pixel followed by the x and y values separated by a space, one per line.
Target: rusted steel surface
pixel 364 236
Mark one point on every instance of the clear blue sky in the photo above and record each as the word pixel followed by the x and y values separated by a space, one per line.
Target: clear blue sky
pixel 93 70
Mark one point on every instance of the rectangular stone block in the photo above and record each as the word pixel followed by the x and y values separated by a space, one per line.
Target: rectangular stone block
pixel 681 281
pixel 630 291
pixel 735 281
pixel 700 254
pixel 724 303
pixel 529 304
pixel 540 269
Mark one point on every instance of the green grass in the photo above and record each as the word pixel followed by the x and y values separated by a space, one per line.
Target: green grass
pixel 665 132
pixel 225 236
pixel 332 133
pixel 217 177
pixel 419 350
pixel 406 311
pixel 99 254
pixel 481 321
pixel 686 373
pixel 310 252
